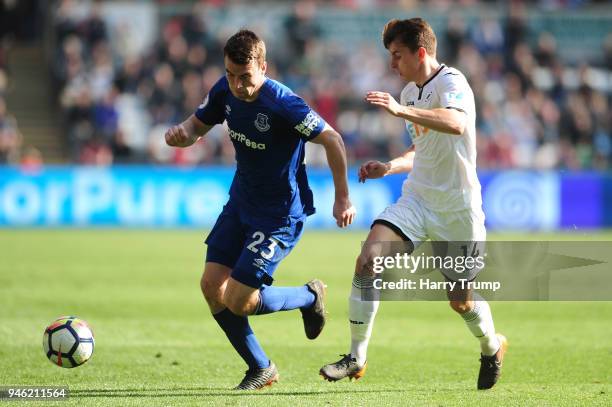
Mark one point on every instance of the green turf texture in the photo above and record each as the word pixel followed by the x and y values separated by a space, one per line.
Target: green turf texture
pixel 156 343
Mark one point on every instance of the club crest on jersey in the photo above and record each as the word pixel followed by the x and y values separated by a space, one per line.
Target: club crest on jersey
pixel 228 110
pixel 261 122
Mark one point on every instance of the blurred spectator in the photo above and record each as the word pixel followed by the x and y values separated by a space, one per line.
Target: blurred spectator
pixel 455 36
pixel 515 30
pixel 301 28
pixel 20 19
pixel 122 152
pixel 31 160
pixel 105 115
pixel 10 138
pixel 96 152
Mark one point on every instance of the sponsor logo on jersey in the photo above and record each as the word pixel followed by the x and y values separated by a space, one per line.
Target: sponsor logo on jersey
pixel 410 103
pixel 415 130
pixel 310 122
pixel 455 96
pixel 241 138
pixel 428 96
pixel 261 122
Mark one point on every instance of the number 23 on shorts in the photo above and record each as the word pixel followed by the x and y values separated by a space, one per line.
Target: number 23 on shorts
pixel 267 249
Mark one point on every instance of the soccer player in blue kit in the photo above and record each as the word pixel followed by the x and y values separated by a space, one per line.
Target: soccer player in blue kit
pixel 269 200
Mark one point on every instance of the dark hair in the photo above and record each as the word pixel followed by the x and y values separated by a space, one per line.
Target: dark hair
pixel 413 33
pixel 244 47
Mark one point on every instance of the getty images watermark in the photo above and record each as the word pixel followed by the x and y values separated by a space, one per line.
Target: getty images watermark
pixel 459 265
pixel 500 270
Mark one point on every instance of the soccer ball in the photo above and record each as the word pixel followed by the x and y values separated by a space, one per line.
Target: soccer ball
pixel 68 342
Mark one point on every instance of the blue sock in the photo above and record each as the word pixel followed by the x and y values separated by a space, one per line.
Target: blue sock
pixel 273 299
pixel 242 338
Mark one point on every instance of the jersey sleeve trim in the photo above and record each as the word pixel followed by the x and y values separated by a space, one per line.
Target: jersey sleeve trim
pixel 210 112
pixel 456 108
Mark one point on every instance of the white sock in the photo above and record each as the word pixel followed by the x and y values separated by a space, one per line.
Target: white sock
pixel 361 318
pixel 480 322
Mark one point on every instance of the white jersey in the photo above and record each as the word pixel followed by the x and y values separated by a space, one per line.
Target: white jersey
pixel 444 173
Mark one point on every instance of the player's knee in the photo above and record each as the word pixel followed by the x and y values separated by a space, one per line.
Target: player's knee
pixel 461 307
pixel 212 291
pixel 240 308
pixel 359 265
pixel 364 264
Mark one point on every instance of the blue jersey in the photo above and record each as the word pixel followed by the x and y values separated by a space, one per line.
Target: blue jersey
pixel 269 136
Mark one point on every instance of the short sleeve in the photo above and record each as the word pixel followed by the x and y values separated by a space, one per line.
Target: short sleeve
pixel 211 110
pixel 305 121
pixel 455 92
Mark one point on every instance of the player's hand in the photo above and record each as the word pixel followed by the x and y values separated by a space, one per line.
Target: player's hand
pixel 372 170
pixel 385 100
pixel 344 212
pixel 177 136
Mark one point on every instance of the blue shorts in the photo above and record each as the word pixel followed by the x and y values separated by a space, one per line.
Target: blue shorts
pixel 251 246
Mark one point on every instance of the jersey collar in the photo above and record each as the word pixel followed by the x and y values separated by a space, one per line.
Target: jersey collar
pixel 442 66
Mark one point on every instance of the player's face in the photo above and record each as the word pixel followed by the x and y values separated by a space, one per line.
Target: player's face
pixel 405 62
pixel 245 80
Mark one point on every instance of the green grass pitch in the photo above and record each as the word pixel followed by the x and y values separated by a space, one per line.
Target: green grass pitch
pixel 156 343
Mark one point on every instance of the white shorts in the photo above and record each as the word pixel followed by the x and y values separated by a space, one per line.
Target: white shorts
pixel 410 216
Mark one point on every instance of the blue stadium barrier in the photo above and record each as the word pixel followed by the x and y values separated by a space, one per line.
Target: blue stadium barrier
pixel 144 196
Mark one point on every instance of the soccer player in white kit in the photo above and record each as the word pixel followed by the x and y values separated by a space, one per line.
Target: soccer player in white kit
pixel 440 200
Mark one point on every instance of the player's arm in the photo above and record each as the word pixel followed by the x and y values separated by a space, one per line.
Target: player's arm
pixel 445 120
pixel 377 169
pixel 187 132
pixel 344 212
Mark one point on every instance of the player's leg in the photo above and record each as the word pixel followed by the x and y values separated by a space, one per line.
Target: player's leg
pixel 224 248
pixel 401 222
pixel 214 284
pixel 308 298
pixel 362 311
pixel 466 228
pixel 250 290
pixel 477 315
pixel 240 300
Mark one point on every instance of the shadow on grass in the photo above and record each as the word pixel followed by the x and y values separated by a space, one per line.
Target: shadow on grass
pixel 216 392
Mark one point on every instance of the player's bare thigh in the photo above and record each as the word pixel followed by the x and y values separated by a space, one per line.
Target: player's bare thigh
pixel 213 284
pixel 376 244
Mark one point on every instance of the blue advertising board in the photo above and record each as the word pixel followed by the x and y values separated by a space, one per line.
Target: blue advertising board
pixel 144 196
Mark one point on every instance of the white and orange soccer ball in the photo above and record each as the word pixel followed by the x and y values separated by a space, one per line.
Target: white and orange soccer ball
pixel 68 342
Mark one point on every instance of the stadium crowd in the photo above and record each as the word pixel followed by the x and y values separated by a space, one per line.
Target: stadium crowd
pixel 535 110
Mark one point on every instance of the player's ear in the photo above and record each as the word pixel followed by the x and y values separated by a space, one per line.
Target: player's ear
pixel 264 67
pixel 422 52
